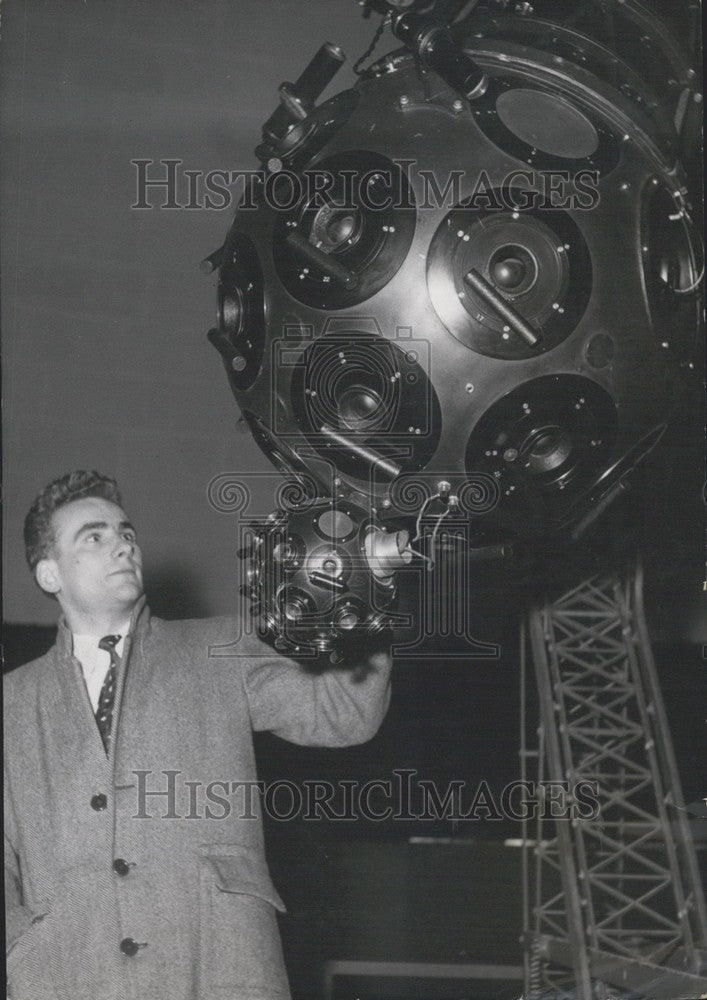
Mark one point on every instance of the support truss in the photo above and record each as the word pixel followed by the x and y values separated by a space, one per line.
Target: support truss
pixel 614 905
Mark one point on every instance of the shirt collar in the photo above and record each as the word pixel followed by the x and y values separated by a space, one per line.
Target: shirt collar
pixel 139 622
pixel 83 637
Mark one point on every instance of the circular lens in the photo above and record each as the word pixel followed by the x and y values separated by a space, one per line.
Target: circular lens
pixel 547 449
pixel 340 228
pixel 368 232
pixel 668 252
pixel 347 620
pixel 283 551
pixel 332 228
pixel 513 269
pixel 335 524
pixel 508 273
pixel 551 124
pixel 353 383
pixel 293 611
pixel 241 310
pixel 358 405
pixel 294 604
pixel 232 312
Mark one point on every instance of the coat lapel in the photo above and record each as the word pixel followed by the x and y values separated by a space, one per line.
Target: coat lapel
pixel 74 732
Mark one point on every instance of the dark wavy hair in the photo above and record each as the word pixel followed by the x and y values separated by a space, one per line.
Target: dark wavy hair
pixel 39 534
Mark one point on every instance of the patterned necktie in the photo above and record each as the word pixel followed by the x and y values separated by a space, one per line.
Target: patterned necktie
pixel 104 712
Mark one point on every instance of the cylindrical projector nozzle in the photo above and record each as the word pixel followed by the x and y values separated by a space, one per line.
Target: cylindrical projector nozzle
pixel 376 462
pixel 319 73
pixel 313 80
pixel 434 45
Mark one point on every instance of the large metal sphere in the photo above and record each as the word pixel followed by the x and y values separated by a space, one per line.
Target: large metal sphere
pixel 500 288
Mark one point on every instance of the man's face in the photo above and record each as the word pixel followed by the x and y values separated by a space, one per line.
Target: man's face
pixel 95 567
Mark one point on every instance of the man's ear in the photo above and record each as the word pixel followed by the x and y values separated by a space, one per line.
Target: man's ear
pixel 46 574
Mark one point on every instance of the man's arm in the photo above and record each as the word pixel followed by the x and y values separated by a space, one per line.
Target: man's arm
pixel 340 706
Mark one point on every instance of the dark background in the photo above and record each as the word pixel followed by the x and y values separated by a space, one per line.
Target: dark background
pixel 106 365
pixel 105 311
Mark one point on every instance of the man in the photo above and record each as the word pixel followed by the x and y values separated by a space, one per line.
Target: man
pixel 120 884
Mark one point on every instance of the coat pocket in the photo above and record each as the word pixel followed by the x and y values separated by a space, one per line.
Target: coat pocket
pixel 240 957
pixel 28 976
pixel 71 953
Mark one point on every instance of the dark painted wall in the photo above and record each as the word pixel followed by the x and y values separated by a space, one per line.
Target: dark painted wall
pixel 106 363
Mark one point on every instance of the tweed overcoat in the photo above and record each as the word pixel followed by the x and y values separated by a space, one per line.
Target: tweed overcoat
pixel 142 875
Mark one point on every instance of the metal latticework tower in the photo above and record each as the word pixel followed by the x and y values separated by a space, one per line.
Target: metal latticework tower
pixel 614 905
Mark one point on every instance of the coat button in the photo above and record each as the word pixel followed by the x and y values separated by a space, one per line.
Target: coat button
pixel 99 802
pixel 129 947
pixel 121 867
